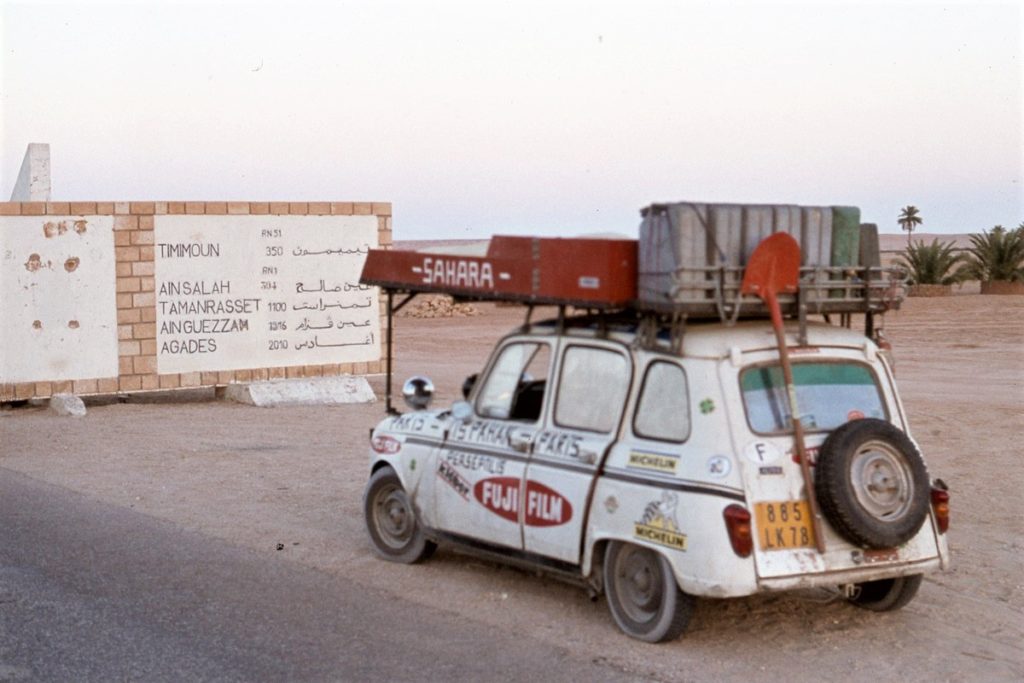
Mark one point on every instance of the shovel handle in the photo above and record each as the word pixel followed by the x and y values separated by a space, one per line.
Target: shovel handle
pixel 794 414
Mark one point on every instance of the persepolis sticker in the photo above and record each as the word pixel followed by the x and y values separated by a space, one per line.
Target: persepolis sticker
pixel 475 461
pixel 657 462
pixel 659 525
pixel 544 506
pixel 450 476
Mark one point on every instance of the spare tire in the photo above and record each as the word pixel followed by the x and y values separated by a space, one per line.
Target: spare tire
pixel 871 483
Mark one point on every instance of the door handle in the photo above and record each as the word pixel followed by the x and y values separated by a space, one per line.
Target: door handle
pixel 587 456
pixel 520 442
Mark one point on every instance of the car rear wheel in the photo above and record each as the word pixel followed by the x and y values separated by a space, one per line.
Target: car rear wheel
pixel 642 593
pixel 391 520
pixel 886 595
pixel 871 484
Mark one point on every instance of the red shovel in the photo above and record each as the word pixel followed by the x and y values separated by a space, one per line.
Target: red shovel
pixel 774 268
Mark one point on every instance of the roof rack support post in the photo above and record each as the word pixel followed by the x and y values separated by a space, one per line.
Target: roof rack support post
pixel 390 410
pixel 529 316
pixel 561 319
pixel 392 309
pixel 647 330
pixel 869 324
pixel 677 331
pixel 801 316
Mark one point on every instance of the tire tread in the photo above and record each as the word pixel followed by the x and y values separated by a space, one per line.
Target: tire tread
pixel 836 501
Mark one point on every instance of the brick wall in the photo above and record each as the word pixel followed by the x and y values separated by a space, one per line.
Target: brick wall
pixel 136 297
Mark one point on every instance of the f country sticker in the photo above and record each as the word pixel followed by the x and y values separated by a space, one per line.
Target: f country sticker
pixel 544 506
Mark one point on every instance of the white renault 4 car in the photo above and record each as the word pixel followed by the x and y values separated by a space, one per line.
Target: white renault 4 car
pixel 656 468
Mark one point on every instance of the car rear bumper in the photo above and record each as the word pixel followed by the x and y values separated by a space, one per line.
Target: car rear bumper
pixel 854 575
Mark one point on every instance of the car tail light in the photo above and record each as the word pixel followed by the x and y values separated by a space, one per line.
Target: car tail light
pixel 737 522
pixel 940 505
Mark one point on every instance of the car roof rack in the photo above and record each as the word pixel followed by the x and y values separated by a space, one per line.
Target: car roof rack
pixel 613 276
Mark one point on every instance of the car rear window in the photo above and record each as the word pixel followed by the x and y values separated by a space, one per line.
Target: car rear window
pixel 827 394
pixel 663 410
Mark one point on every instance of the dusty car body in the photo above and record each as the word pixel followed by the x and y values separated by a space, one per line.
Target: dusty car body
pixel 575 443
pixel 654 459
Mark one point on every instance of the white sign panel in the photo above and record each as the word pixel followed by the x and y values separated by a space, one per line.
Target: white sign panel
pixel 237 292
pixel 57 300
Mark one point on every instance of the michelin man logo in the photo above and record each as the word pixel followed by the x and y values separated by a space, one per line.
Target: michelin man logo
pixel 659 524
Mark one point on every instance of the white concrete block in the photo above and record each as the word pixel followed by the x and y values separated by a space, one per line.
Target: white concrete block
pixel 67 404
pixel 58 303
pixel 315 391
pixel 33 184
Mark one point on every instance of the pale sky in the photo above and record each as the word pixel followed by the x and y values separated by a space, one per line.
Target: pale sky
pixel 549 118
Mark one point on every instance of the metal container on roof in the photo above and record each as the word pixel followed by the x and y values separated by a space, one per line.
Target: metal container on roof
pixel 675 276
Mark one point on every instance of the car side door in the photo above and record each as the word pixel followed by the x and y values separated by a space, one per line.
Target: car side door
pixel 481 466
pixel 581 423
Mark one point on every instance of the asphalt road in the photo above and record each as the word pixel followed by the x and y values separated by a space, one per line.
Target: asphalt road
pixel 92 592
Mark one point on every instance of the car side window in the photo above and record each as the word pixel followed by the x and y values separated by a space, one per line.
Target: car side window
pixel 592 389
pixel 663 410
pixel 514 388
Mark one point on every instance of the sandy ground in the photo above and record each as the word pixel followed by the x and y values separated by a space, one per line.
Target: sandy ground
pixel 294 476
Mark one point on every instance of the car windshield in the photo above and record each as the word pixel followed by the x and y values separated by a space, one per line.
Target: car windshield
pixel 828 395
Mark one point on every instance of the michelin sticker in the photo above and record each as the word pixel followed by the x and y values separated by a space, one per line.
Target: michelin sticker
pixel 659 525
pixel 656 462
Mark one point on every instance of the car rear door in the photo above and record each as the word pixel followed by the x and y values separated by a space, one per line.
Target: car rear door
pixel 581 421
pixel 831 390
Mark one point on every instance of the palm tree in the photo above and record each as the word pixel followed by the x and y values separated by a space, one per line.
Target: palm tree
pixel 998 255
pixel 932 264
pixel 909 219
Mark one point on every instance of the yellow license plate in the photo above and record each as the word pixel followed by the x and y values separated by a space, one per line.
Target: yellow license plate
pixel 784 525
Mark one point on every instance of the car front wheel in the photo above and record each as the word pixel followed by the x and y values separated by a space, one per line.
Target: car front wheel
pixel 391 520
pixel 642 593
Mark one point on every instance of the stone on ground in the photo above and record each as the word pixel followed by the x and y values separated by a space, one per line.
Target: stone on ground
pixel 313 391
pixel 67 404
